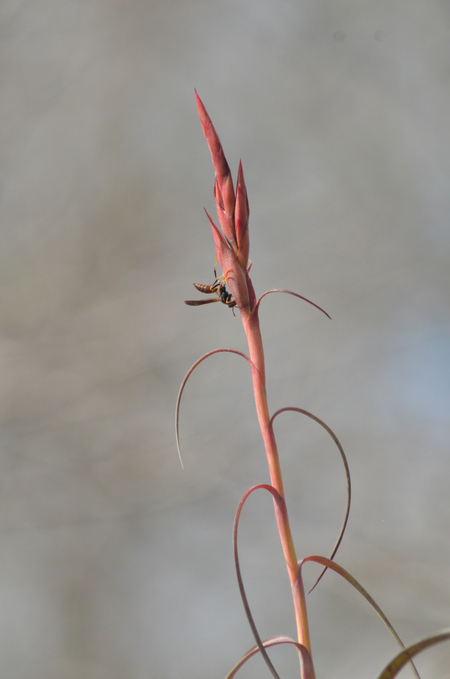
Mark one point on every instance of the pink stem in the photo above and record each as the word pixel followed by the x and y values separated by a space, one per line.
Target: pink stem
pixel 252 330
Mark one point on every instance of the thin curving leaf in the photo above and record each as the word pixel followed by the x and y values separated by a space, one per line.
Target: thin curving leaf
pixel 400 660
pixel 294 294
pixel 306 666
pixel 280 502
pixel 347 476
pixel 346 575
pixel 183 384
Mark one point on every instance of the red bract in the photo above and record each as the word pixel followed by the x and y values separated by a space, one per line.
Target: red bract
pixel 242 213
pixel 232 243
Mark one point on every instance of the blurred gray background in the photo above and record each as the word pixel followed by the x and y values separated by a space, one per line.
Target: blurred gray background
pixel 115 563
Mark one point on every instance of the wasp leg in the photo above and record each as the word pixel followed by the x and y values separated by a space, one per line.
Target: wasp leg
pixel 223 277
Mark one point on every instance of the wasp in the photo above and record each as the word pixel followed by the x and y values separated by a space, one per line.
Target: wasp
pixel 218 287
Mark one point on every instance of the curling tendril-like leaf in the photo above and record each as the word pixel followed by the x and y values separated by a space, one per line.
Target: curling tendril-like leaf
pixel 183 384
pixel 346 575
pixel 347 476
pixel 294 294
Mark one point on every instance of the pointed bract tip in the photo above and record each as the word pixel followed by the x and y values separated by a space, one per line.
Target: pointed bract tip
pixel 241 217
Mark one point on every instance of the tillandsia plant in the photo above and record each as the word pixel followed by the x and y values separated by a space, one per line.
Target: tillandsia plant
pixel 232 247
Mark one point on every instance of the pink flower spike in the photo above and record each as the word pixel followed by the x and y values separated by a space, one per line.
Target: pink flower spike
pixel 241 216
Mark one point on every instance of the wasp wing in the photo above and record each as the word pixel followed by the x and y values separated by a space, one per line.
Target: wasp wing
pixel 201 302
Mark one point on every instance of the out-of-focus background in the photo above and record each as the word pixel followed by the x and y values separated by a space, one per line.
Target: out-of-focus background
pixel 115 563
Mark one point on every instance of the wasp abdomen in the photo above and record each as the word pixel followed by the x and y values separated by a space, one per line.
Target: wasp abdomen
pixel 207 289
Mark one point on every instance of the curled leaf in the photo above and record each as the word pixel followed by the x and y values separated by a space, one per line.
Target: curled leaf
pixel 347 476
pixel 183 384
pixel 306 666
pixel 346 575
pixel 405 656
pixel 294 294
pixel 282 506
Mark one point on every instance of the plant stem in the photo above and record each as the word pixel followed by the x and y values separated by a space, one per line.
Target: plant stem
pixel 256 351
